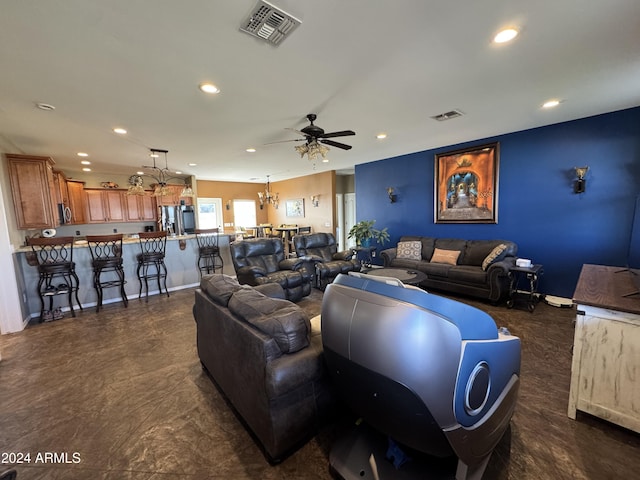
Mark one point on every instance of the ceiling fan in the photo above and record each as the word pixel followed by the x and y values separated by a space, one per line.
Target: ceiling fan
pixel 313 133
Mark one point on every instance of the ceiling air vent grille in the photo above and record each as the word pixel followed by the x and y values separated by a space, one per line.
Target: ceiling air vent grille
pixel 269 23
pixel 448 115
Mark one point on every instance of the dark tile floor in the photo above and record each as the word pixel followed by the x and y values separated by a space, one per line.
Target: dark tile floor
pixel 121 393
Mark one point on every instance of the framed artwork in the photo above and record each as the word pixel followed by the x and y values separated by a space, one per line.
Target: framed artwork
pixel 466 185
pixel 295 208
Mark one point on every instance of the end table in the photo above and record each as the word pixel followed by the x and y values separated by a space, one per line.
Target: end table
pixel 519 275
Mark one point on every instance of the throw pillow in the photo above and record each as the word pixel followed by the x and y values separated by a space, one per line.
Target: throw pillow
pixel 497 254
pixel 450 257
pixel 409 250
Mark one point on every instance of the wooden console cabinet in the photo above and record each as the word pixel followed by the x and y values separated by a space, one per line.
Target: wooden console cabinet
pixel 605 372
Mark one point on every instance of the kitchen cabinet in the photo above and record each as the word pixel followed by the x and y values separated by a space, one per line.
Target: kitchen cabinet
pixel 173 197
pixel 104 205
pixel 33 191
pixel 75 201
pixel 140 208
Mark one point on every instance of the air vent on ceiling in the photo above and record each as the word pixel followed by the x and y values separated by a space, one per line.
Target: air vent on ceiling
pixel 268 22
pixel 448 115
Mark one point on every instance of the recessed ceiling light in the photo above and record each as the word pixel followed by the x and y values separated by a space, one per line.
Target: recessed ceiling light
pixel 193 164
pixel 85 162
pixel 251 150
pixel 551 103
pixel 82 154
pixel 85 169
pixel 140 173
pixel 209 88
pixel 119 131
pixel 380 136
pixel 325 160
pixel 505 35
pixel 178 172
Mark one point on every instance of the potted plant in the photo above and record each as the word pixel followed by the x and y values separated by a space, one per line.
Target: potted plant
pixel 363 232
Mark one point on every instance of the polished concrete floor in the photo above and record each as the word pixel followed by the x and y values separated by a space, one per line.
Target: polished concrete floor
pixel 121 395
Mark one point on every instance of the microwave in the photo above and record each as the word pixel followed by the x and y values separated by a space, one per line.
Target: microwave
pixel 64 214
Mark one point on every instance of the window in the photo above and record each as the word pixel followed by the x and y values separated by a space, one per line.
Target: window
pixel 244 213
pixel 209 213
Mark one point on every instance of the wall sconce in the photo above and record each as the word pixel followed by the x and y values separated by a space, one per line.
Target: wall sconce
pixel 228 206
pixel 261 200
pixel 580 185
pixel 315 200
pixel 392 196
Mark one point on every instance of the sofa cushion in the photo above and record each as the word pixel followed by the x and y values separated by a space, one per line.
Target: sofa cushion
pixel 497 254
pixel 409 250
pixel 284 321
pixel 450 257
pixel 468 274
pixel 219 287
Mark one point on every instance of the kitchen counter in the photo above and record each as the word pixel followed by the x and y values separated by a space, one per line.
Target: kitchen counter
pixel 182 271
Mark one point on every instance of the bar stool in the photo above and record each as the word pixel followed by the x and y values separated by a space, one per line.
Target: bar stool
pixel 56 271
pixel 106 258
pixel 151 260
pixel 209 258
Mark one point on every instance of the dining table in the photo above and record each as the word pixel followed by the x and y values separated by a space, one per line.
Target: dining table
pixel 287 236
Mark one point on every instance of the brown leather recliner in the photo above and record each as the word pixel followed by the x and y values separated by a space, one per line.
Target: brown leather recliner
pixel 261 260
pixel 321 251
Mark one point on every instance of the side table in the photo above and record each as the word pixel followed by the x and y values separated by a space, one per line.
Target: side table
pixel 367 254
pixel 518 275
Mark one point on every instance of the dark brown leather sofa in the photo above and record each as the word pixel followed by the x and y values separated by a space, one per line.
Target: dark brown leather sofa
pixel 262 354
pixel 473 272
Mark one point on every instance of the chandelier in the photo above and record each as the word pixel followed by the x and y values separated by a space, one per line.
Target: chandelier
pixel 313 150
pixel 268 197
pixel 161 176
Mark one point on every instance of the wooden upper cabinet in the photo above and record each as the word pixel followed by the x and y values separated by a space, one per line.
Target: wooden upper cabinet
pixel 140 208
pixel 115 205
pixel 76 203
pixel 173 197
pixel 104 205
pixel 33 191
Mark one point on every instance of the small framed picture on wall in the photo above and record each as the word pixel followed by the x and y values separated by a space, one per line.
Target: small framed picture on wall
pixel 295 207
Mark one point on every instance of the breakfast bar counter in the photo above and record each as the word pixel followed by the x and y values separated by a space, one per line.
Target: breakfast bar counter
pixel 181 259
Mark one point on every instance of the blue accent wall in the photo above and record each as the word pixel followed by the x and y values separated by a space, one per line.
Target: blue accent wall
pixel 537 208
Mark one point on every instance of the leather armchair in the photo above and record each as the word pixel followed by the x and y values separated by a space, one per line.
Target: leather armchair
pixel 261 260
pixel 321 251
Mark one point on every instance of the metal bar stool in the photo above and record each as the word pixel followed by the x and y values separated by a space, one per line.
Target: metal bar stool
pixel 209 258
pixel 56 272
pixel 151 261
pixel 106 258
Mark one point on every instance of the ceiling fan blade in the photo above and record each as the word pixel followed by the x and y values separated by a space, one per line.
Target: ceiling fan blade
pixel 343 133
pixel 336 144
pixel 297 131
pixel 286 141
